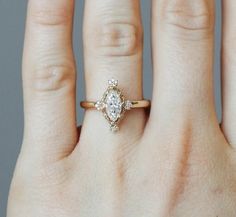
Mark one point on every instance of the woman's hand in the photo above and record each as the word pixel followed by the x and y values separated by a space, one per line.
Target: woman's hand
pixel 175 162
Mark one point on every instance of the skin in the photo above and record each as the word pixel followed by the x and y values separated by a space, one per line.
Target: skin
pixel 177 161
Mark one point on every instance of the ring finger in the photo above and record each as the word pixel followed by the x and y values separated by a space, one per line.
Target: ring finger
pixel 113 49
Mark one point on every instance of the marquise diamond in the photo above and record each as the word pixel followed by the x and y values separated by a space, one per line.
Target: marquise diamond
pixel 114 105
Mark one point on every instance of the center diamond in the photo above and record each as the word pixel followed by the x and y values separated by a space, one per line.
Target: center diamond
pixel 114 105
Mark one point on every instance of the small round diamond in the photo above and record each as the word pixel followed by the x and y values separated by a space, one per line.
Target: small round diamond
pixel 99 105
pixel 128 105
pixel 114 128
pixel 113 82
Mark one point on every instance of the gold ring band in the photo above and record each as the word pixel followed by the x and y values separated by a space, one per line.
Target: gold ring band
pixel 134 104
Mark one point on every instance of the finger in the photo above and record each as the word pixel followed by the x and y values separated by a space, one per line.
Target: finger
pixel 183 102
pixel 228 73
pixel 49 80
pixel 183 61
pixel 113 49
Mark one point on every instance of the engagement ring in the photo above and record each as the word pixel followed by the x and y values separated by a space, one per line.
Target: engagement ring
pixel 113 104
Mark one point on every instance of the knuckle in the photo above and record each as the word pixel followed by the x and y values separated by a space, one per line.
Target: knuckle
pixel 189 20
pixel 116 39
pixel 49 14
pixel 54 78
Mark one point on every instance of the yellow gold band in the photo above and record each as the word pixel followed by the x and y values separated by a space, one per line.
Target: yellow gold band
pixel 135 104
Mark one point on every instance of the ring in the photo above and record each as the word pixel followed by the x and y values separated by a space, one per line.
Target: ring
pixel 113 104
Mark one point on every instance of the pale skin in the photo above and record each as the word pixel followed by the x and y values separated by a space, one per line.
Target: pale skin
pixel 176 161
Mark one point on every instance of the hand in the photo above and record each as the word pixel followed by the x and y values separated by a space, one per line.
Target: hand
pixel 175 162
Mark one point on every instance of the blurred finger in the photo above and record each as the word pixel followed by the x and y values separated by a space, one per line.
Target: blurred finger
pixel 228 73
